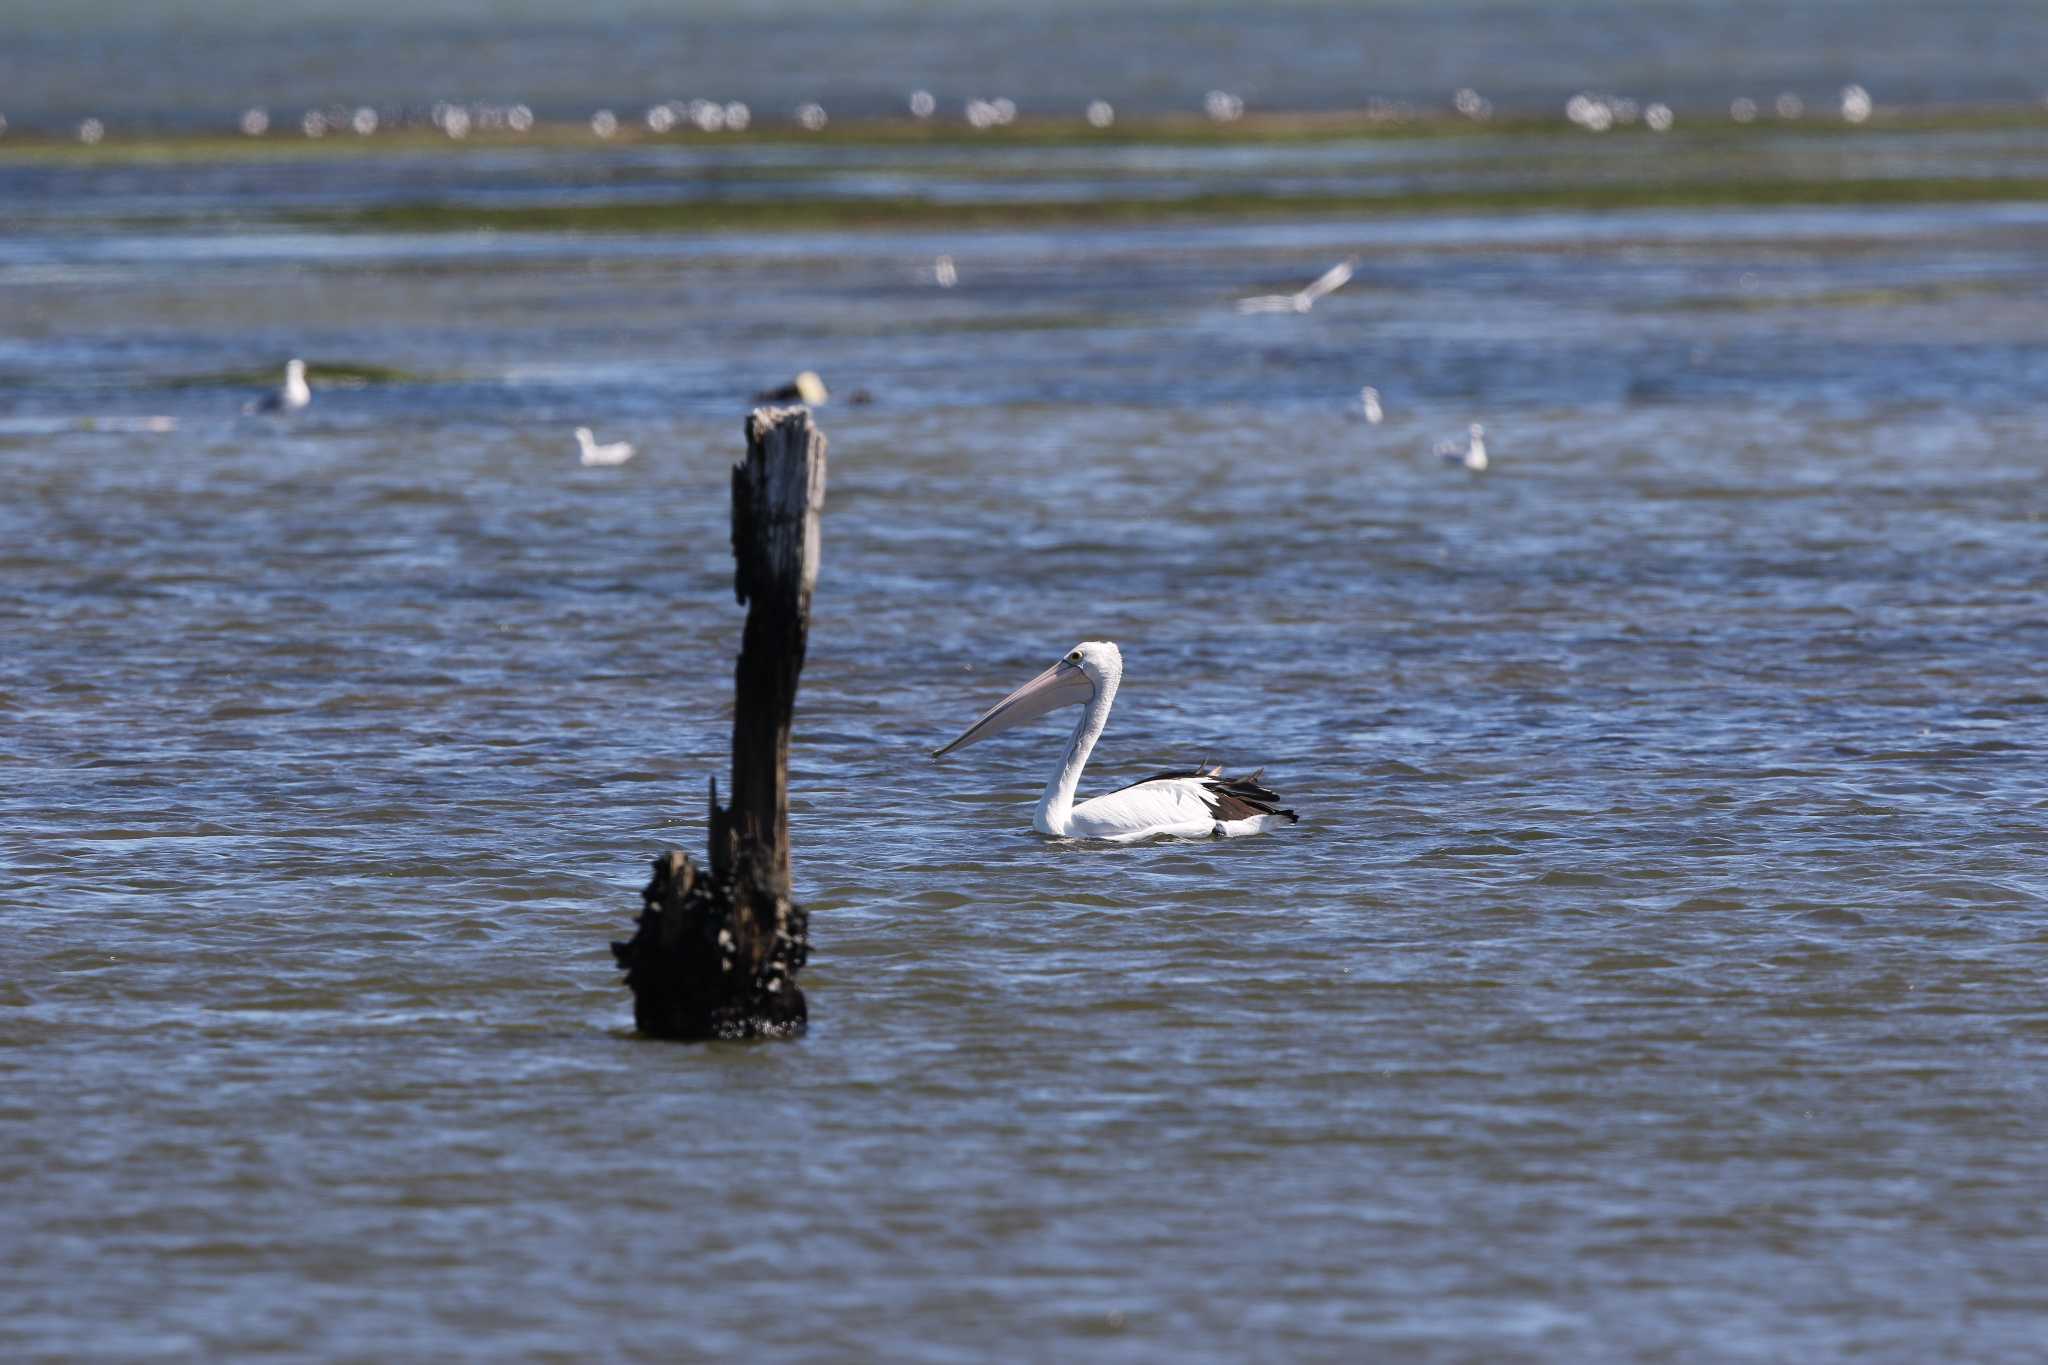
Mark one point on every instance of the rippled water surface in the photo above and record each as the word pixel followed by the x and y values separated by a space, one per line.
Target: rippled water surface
pixel 1656 969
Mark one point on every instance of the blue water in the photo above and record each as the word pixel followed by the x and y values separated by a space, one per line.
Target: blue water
pixel 1655 971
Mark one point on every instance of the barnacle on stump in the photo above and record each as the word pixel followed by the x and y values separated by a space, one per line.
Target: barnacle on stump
pixel 713 958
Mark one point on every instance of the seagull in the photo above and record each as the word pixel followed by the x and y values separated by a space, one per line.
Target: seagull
pixel 1195 802
pixel 292 395
pixel 805 388
pixel 618 452
pixel 1329 282
pixel 1369 400
pixel 1472 455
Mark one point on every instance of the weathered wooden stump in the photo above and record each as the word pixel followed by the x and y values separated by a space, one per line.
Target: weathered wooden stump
pixel 717 951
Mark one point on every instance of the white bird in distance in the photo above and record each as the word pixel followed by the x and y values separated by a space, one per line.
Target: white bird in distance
pixel 617 452
pixel 1472 455
pixel 1329 282
pixel 292 395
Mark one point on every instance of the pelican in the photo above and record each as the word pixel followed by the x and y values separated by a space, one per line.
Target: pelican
pixel 1329 282
pixel 1472 454
pixel 1197 802
pixel 292 395
pixel 1369 404
pixel 617 452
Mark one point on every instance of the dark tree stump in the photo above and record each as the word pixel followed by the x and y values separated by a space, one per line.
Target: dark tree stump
pixel 716 953
pixel 709 960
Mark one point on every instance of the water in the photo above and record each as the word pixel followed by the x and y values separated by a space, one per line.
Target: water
pixel 1655 971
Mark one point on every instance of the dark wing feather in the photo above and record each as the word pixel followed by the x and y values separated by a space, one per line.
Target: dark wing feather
pixel 1170 776
pixel 1240 798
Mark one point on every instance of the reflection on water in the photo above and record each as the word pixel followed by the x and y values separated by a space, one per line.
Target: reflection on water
pixel 1657 962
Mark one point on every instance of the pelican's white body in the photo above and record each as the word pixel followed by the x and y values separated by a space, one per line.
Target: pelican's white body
pixel 1195 804
pixel 1165 806
pixel 618 452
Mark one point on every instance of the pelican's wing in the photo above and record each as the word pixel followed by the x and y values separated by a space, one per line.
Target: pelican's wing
pixel 1331 280
pixel 1242 798
pixel 1145 810
pixel 1192 803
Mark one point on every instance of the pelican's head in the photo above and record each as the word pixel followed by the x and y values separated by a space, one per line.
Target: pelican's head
pixel 1477 430
pixel 295 371
pixel 584 437
pixel 1090 667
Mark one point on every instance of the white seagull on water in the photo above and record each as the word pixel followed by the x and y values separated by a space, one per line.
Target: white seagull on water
pixel 1472 454
pixel 292 395
pixel 618 452
pixel 1194 802
pixel 1329 282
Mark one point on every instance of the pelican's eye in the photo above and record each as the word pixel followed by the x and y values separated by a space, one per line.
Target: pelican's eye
pixel 1075 657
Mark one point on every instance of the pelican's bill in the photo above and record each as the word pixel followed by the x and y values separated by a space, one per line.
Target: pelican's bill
pixel 1064 684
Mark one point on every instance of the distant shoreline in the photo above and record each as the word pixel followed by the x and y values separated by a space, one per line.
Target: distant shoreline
pixel 1540 165
pixel 1253 129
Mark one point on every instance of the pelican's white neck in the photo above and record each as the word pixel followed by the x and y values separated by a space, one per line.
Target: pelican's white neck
pixel 1056 808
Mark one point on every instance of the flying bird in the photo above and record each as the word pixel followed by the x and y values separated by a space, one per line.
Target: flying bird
pixel 617 452
pixel 1195 802
pixel 1329 282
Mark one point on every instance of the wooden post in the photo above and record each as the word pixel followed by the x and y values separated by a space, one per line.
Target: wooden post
pixel 717 956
